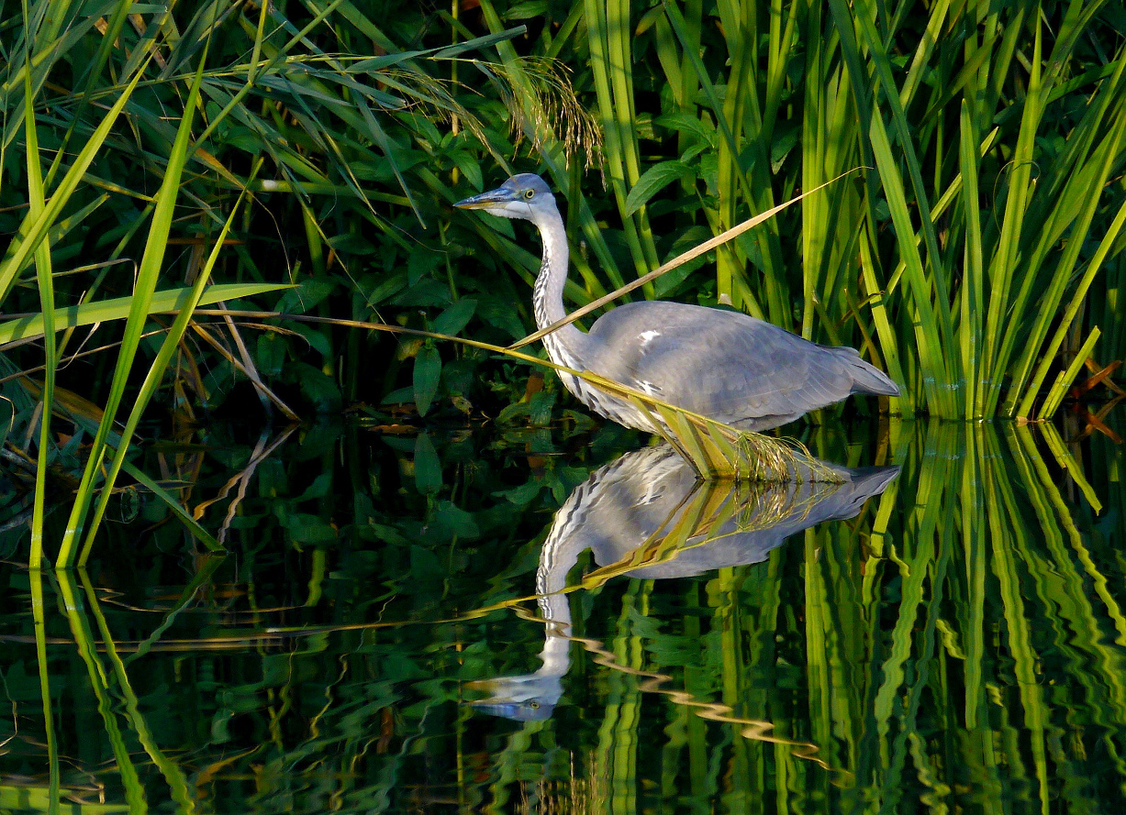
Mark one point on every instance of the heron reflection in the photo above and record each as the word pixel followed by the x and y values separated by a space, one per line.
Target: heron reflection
pixel 646 515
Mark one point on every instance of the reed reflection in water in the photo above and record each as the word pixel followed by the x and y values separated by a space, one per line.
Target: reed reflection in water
pixel 963 645
pixel 957 645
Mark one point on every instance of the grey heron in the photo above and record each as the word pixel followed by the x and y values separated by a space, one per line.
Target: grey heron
pixel 725 365
pixel 623 512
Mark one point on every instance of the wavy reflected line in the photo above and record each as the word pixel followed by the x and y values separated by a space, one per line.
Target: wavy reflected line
pixel 752 730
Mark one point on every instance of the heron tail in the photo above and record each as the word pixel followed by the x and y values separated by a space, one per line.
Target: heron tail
pixel 866 378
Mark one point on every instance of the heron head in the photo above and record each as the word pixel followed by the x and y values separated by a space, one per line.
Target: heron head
pixel 522 196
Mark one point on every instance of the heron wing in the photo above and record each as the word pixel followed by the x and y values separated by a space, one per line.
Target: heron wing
pixel 722 364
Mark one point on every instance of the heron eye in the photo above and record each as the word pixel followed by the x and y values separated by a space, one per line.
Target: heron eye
pixel 534 705
pixel 529 194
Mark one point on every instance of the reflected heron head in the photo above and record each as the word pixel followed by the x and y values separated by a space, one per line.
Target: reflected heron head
pixel 525 698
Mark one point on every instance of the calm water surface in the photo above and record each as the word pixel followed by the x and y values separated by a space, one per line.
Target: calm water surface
pixel 520 622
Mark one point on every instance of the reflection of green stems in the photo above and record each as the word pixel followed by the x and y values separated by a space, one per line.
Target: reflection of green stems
pixel 177 782
pixel 99 684
pixel 207 568
pixel 37 613
pixel 1009 532
pixel 1096 664
pixel 973 634
pixel 618 736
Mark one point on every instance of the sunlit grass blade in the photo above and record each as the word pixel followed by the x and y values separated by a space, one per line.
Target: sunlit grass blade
pixel 972 290
pixel 33 229
pixel 759 457
pixel 932 333
pixel 147 275
pixel 1078 298
pixel 1001 271
pixel 36 205
pixel 610 40
pixel 1066 378
pixel 153 380
pixel 679 260
pixel 174 506
pixel 168 301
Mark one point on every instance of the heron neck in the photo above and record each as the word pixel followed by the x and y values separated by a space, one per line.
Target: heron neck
pixel 548 296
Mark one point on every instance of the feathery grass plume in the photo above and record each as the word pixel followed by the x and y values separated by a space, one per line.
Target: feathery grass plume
pixel 543 107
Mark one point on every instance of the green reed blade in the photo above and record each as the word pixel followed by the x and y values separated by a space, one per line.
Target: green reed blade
pixel 36 206
pixel 167 301
pixel 109 41
pixel 877 304
pixel 903 129
pixel 610 41
pixel 174 506
pixel 156 373
pixel 1106 246
pixel 930 337
pixel 973 283
pixel 146 280
pixel 34 229
pixel 1003 267
pixel 1066 378
pixel 1075 207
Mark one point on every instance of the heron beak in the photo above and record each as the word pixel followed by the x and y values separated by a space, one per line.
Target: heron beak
pixel 499 196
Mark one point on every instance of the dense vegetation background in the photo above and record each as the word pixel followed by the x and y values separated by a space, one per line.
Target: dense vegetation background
pixel 959 642
pixel 974 251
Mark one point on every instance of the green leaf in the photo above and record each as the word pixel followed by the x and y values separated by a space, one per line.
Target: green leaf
pixel 427 467
pixel 271 354
pixel 652 181
pixel 453 319
pixel 305 528
pixel 427 371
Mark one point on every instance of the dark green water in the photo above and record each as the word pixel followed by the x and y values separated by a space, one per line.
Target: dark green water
pixel 372 642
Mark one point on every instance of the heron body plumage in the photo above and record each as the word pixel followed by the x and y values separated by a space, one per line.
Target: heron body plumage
pixel 722 364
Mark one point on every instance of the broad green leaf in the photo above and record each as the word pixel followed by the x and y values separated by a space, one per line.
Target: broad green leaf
pixel 655 179
pixel 427 372
pixel 427 467
pixel 453 319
